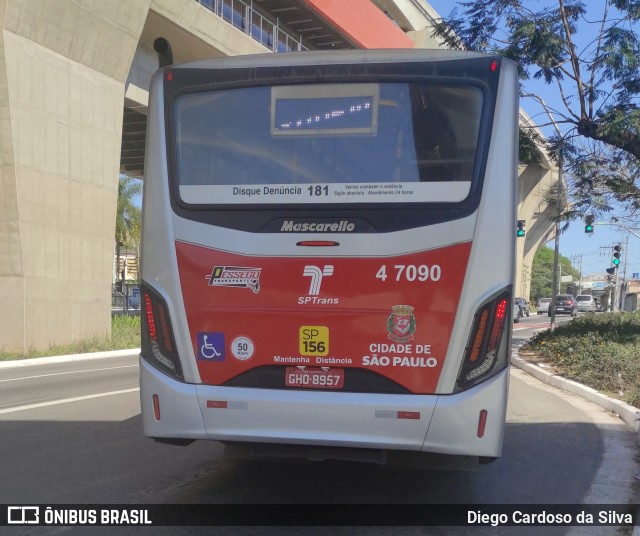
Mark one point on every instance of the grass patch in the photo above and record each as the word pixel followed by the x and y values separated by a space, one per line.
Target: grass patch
pixel 125 334
pixel 601 351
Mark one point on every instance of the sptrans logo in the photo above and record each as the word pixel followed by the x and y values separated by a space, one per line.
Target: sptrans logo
pixel 343 226
pixel 317 274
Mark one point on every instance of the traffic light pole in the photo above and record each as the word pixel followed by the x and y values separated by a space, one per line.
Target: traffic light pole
pixel 624 276
pixel 616 303
pixel 616 295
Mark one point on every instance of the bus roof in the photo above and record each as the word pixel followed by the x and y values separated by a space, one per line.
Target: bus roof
pixel 331 57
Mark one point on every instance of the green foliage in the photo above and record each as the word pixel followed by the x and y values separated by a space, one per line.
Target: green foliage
pixel 125 333
pixel 592 58
pixel 542 273
pixel 596 350
pixel 528 148
pixel 129 215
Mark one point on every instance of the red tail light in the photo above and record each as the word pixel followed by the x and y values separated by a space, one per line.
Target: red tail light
pixel 482 354
pixel 498 323
pixel 151 323
pixel 158 346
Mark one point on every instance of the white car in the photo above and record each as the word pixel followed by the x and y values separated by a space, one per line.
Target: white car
pixel 586 303
pixel 543 306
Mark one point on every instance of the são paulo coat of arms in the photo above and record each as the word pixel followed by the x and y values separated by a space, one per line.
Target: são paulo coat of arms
pixel 401 324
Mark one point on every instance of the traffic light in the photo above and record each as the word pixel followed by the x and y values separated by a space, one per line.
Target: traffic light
pixel 616 255
pixel 520 230
pixel 611 270
pixel 588 224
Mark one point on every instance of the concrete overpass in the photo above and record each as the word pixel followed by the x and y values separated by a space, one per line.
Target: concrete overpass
pixel 73 94
pixel 537 205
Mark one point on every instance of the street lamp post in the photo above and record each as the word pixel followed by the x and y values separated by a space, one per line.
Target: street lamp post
pixel 556 251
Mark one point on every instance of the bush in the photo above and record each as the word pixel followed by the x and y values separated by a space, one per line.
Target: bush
pixel 125 331
pixel 600 351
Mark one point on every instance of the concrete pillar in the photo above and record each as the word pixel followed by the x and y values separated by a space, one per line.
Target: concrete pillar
pixel 535 183
pixel 63 64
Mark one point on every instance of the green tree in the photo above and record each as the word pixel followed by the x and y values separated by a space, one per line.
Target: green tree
pixel 542 273
pixel 129 214
pixel 593 60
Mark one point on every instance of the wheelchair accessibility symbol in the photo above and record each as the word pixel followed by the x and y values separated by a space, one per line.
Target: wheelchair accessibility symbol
pixel 211 346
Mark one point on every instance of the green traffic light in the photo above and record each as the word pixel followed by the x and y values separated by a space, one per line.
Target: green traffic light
pixel 588 223
pixel 520 233
pixel 616 262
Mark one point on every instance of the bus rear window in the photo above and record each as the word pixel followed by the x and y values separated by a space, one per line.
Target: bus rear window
pixel 327 143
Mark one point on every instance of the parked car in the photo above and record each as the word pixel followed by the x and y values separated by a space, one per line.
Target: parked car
pixel 524 306
pixel 517 312
pixel 565 304
pixel 586 303
pixel 543 305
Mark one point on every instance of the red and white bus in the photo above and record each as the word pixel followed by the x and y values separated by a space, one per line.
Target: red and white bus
pixel 328 252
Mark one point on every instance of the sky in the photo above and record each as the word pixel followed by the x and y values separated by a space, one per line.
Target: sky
pixel 595 249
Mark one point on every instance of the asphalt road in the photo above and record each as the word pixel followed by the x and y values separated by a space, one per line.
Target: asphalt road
pixel 71 433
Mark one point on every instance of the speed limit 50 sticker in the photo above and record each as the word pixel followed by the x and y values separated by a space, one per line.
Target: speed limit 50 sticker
pixel 242 348
pixel 314 340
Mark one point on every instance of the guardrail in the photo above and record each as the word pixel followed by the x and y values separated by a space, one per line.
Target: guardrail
pixel 242 16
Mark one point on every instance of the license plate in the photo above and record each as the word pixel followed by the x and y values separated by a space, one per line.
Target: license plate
pixel 561 309
pixel 314 378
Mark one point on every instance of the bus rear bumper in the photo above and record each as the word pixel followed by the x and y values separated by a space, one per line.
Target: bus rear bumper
pixel 441 424
pixel 458 426
pixel 177 406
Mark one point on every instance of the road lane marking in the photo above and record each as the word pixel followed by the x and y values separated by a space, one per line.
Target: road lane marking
pixel 531 326
pixel 62 373
pixel 66 400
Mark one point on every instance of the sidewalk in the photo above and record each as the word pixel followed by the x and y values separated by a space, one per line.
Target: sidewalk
pixel 628 413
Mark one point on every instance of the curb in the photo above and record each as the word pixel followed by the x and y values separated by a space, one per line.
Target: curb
pixel 68 358
pixel 628 413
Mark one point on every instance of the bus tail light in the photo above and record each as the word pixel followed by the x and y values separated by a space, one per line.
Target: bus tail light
pixel 485 352
pixel 158 344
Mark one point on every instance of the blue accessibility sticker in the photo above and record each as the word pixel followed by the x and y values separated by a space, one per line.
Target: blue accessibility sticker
pixel 211 346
